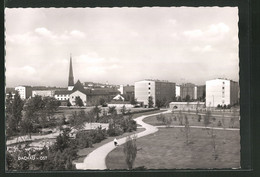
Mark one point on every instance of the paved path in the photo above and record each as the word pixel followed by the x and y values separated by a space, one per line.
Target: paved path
pixel 96 160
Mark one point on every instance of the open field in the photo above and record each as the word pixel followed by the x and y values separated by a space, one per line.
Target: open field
pixel 193 120
pixel 166 149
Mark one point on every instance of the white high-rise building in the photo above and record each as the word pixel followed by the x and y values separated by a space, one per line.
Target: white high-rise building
pixel 178 90
pixel 221 92
pixel 24 91
pixel 158 90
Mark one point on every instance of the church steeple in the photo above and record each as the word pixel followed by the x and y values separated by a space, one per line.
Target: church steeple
pixel 71 78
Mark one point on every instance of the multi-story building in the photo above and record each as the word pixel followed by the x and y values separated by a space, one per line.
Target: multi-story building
pixel 43 93
pixel 62 95
pixel 187 89
pixel 158 90
pixel 178 90
pixel 127 91
pixel 9 91
pixel 24 91
pixel 201 92
pixel 221 92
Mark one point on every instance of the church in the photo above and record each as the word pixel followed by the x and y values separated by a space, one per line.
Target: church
pixel 89 97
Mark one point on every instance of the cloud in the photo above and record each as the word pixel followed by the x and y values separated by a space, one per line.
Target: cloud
pixel 211 31
pixel 77 33
pixel 193 33
pixel 43 31
pixel 28 70
pixel 206 48
pixel 218 28
pixel 22 39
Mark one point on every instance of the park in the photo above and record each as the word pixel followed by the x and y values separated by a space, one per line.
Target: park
pixel 81 138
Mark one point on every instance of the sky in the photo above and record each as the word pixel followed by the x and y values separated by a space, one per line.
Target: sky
pixel 120 45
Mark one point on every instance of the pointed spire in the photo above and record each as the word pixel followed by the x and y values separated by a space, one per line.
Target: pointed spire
pixel 71 78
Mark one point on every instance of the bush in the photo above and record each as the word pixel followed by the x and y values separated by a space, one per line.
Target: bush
pixel 114 130
pixel 127 124
pixel 83 139
pixel 87 138
pixel 98 135
pixel 199 118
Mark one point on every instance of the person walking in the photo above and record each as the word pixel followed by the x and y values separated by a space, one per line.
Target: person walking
pixel 115 142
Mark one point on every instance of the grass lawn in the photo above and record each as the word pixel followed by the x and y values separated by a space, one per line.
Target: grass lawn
pixel 166 149
pixel 82 153
pixel 193 120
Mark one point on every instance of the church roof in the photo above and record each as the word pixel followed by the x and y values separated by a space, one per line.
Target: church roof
pixel 71 78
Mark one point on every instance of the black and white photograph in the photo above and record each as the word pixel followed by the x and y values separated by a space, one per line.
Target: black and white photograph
pixel 151 88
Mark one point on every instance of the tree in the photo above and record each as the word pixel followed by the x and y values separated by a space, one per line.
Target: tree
pixel 130 151
pixel 232 119
pixel 14 108
pixel 180 117
pixel 123 110
pixel 68 103
pixel 207 118
pixel 133 101
pixel 158 103
pixel 112 110
pixel 150 102
pixel 102 101
pixel 187 129
pixel 78 101
pixel 77 120
pixel 63 140
pixel 17 108
pixel 34 114
pixel 96 110
pixel 213 137
pixel 187 98
pixel 51 105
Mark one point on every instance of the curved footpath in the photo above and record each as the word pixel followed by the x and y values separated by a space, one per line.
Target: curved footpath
pixel 96 160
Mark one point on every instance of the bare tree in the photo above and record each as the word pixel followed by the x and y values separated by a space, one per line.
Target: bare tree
pixel 180 117
pixel 213 137
pixel 130 151
pixel 187 129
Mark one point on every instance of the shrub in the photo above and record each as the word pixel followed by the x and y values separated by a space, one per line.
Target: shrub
pixel 114 130
pixel 219 123
pixel 199 118
pixel 83 139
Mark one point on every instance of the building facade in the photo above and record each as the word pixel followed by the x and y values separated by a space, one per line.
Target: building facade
pixel 62 95
pixel 221 92
pixel 43 93
pixel 154 88
pixel 201 92
pixel 178 90
pixel 24 91
pixel 187 89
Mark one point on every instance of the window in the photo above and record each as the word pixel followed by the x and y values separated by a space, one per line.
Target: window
pixel 223 88
pixel 149 83
pixel 149 88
